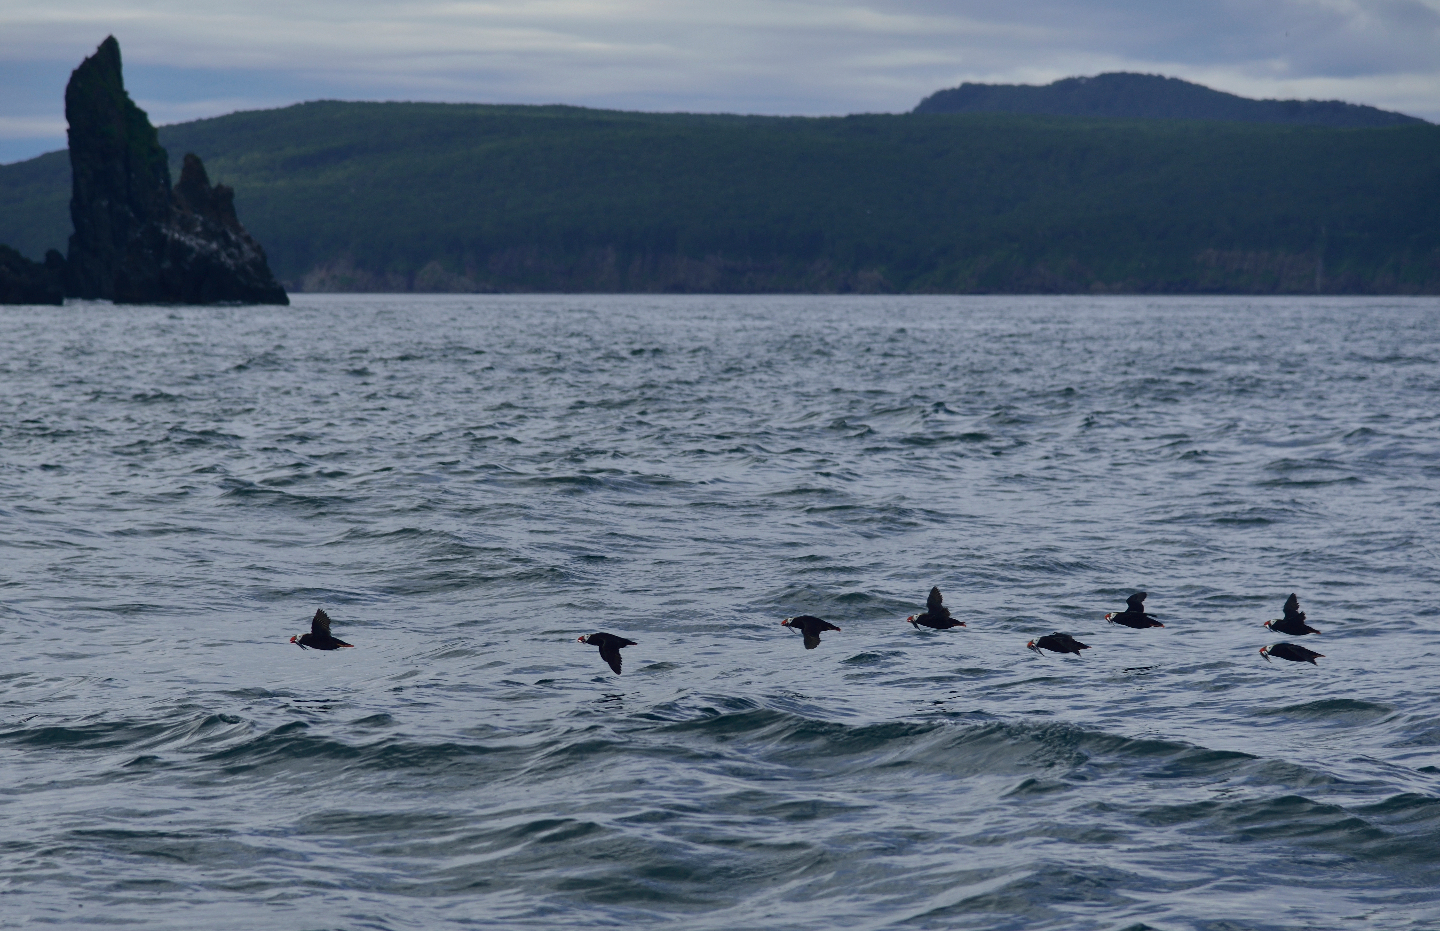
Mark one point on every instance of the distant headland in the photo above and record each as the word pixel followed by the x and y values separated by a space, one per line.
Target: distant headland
pixel 1124 95
pixel 415 197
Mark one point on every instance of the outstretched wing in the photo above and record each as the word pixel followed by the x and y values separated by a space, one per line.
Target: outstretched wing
pixel 935 605
pixel 1292 608
pixel 1137 602
pixel 320 624
pixel 812 641
pixel 610 653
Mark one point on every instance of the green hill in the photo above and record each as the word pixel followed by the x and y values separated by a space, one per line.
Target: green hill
pixel 368 196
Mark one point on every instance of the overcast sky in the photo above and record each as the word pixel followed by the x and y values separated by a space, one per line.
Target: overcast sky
pixel 193 58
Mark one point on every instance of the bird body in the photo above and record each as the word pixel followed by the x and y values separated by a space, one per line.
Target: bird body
pixel 1134 615
pixel 936 615
pixel 609 645
pixel 319 637
pixel 809 626
pixel 1057 643
pixel 1293 623
pixel 1293 652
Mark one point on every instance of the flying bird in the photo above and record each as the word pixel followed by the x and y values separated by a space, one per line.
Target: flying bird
pixel 319 637
pixel 1293 623
pixel 1293 652
pixel 936 615
pixel 1134 615
pixel 809 626
pixel 1057 643
pixel 609 645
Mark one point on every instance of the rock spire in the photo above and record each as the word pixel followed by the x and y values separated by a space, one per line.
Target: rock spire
pixel 136 239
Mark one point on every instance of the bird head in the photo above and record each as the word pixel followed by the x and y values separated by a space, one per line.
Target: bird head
pixel 786 622
pixel 1031 646
pixel 1109 616
pixel 1265 652
pixel 912 621
pixel 1267 624
pixel 583 638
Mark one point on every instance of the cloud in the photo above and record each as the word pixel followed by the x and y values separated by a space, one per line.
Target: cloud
pixel 188 59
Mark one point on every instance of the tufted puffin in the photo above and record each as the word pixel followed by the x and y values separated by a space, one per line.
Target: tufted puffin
pixel 319 637
pixel 936 615
pixel 1293 623
pixel 809 626
pixel 1134 615
pixel 1293 652
pixel 609 645
pixel 1057 643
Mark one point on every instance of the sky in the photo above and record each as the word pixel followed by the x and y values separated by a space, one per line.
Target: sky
pixel 187 59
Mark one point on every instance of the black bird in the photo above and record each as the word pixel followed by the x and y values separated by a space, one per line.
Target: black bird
pixel 609 645
pixel 319 637
pixel 809 626
pixel 1293 623
pixel 1293 652
pixel 1134 615
pixel 1057 643
pixel 936 614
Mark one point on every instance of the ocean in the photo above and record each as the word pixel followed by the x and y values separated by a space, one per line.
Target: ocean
pixel 466 484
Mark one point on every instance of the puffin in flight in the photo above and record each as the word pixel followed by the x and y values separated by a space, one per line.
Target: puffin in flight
pixel 1293 623
pixel 319 637
pixel 809 626
pixel 1057 643
pixel 936 615
pixel 1134 615
pixel 1293 652
pixel 609 645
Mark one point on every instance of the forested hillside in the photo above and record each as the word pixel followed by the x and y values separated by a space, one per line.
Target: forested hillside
pixel 365 196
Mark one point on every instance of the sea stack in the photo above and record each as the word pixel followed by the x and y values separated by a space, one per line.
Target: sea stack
pixel 25 282
pixel 136 239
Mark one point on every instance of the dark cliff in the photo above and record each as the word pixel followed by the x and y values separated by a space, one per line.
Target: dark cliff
pixel 25 282
pixel 136 240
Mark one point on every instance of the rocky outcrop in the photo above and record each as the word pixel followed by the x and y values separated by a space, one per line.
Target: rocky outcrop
pixel 25 282
pixel 136 239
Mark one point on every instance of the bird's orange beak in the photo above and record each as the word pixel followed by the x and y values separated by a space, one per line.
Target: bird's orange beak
pixel 294 638
pixel 580 639
pixel 1110 615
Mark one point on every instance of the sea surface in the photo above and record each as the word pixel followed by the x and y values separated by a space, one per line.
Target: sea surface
pixel 467 484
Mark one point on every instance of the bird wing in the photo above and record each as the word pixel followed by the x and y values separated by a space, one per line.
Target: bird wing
pixel 811 641
pixel 320 624
pixel 1137 602
pixel 1292 608
pixel 935 604
pixel 610 653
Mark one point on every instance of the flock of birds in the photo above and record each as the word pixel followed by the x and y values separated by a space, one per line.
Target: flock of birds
pixel 936 617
